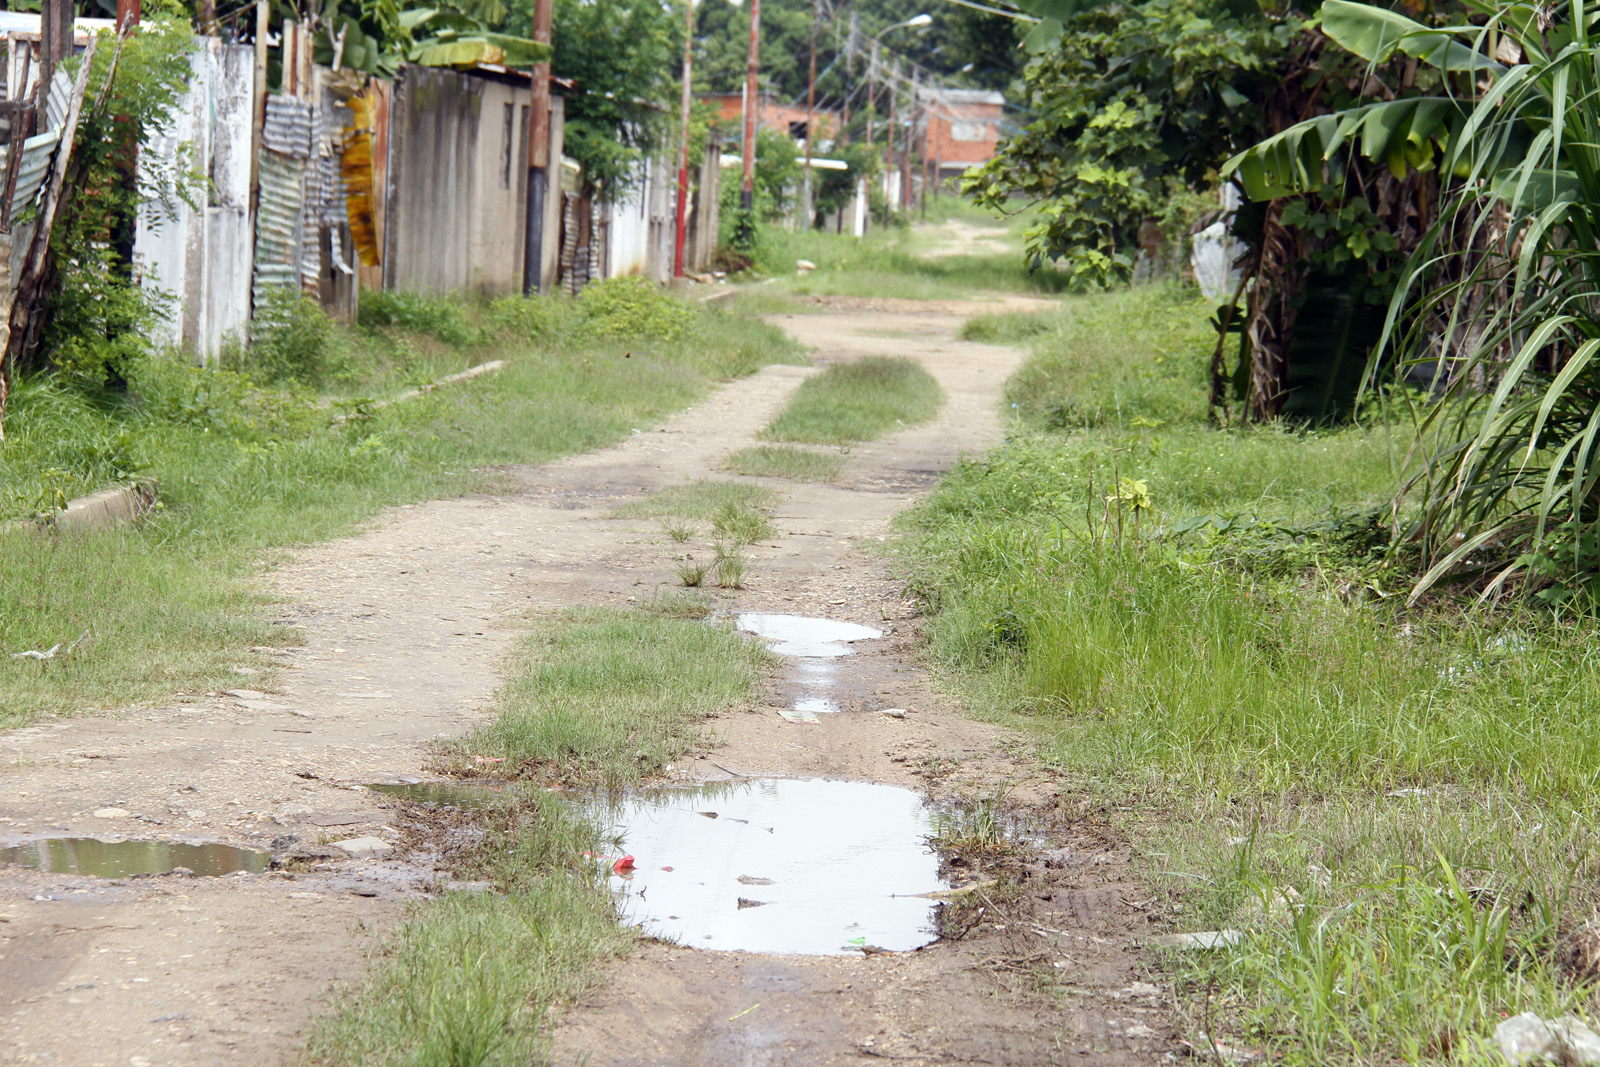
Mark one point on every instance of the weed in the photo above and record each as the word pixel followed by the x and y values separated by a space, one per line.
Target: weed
pixel 691 574
pixel 633 309
pixel 785 461
pixel 678 531
pixel 729 566
pixel 743 525
pixel 858 401
pixel 441 318
pixel 677 605
pixel 293 339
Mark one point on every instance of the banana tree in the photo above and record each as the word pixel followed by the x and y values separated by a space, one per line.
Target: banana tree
pixel 1501 300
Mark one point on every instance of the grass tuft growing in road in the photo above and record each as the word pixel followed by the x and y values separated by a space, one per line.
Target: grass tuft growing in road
pixel 858 401
pixel 786 461
pixel 610 697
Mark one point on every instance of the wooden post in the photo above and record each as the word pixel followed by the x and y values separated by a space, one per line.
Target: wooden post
pixel 752 105
pixel 538 156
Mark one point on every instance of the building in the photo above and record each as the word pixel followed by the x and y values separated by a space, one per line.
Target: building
pixel 962 127
pixel 789 119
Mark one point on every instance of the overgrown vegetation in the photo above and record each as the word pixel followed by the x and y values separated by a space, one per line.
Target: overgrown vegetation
pixel 1393 803
pixel 858 401
pixel 247 464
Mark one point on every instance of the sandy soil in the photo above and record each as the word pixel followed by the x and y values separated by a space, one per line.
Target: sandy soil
pixel 404 628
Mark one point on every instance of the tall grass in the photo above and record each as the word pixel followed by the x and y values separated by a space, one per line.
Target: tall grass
pixel 1395 803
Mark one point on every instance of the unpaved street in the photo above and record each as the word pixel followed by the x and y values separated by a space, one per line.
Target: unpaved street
pixel 405 626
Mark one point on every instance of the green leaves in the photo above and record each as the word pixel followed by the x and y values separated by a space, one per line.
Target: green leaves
pixel 1374 34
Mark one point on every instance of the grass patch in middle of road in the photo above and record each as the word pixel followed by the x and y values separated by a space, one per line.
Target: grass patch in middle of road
pixel 610 696
pixel 786 461
pixel 858 401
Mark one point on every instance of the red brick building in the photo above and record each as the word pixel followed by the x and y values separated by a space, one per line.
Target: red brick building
pixel 774 115
pixel 960 128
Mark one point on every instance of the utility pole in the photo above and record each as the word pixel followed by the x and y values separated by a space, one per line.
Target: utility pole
pixel 682 227
pixel 911 133
pixel 538 156
pixel 752 103
pixel 888 154
pixel 811 115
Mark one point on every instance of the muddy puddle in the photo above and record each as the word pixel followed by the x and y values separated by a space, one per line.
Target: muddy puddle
pixel 789 866
pixel 441 794
pixel 812 647
pixel 120 859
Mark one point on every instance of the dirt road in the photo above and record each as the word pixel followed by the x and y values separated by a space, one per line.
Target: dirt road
pixel 404 627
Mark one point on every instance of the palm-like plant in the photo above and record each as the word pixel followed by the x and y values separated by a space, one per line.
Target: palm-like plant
pixel 1501 302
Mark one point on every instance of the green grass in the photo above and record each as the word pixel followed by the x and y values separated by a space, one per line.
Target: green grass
pixel 701 500
pixel 786 461
pixel 858 401
pixel 246 468
pixel 1203 625
pixel 472 977
pixel 610 697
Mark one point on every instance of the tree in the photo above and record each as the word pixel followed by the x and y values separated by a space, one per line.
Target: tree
pixel 1501 299
pixel 620 55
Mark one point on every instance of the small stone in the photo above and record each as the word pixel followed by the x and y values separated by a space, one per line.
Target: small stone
pixel 364 847
pixel 111 813
pixel 182 872
pixel 893 713
pixel 244 694
pixel 801 266
pixel 1526 1038
pixel 1206 939
pixel 305 896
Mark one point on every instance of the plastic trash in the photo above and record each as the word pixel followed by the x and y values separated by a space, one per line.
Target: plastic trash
pixel 623 865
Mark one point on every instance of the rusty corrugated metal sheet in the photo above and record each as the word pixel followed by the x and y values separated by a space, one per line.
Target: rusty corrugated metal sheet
pixel 356 169
pixel 289 127
pixel 36 153
pixel 55 107
pixel 278 224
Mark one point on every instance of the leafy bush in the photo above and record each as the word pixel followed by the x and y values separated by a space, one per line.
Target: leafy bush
pixel 633 309
pixel 293 339
pixel 539 318
pixel 438 317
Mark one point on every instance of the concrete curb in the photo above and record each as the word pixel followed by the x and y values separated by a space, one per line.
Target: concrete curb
pixel 449 379
pixel 98 511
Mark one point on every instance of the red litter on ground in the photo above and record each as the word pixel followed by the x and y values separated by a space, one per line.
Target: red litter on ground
pixel 623 865
pixel 666 868
pixel 488 759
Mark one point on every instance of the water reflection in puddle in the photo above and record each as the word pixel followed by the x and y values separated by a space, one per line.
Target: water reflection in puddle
pixel 119 859
pixel 441 794
pixel 805 867
pixel 796 635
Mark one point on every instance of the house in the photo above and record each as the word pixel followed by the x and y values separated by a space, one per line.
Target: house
pixel 789 119
pixel 961 128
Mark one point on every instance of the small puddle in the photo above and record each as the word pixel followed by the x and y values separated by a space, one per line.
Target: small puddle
pixel 120 859
pixel 812 646
pixel 789 866
pixel 441 794
pixel 797 635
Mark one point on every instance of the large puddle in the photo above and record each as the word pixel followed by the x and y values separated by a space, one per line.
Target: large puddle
pixel 795 866
pixel 119 859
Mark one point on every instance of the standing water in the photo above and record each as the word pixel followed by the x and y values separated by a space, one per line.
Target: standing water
pixel 806 867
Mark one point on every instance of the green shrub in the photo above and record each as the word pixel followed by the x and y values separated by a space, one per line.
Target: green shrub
pixel 634 309
pixel 438 317
pixel 536 319
pixel 293 339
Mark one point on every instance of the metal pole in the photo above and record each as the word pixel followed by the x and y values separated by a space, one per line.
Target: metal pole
pixel 905 146
pixel 538 156
pixel 872 89
pixel 682 221
pixel 752 103
pixel 811 115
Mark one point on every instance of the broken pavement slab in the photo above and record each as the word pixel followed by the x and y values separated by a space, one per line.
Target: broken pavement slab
pixel 1200 941
pixel 360 848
